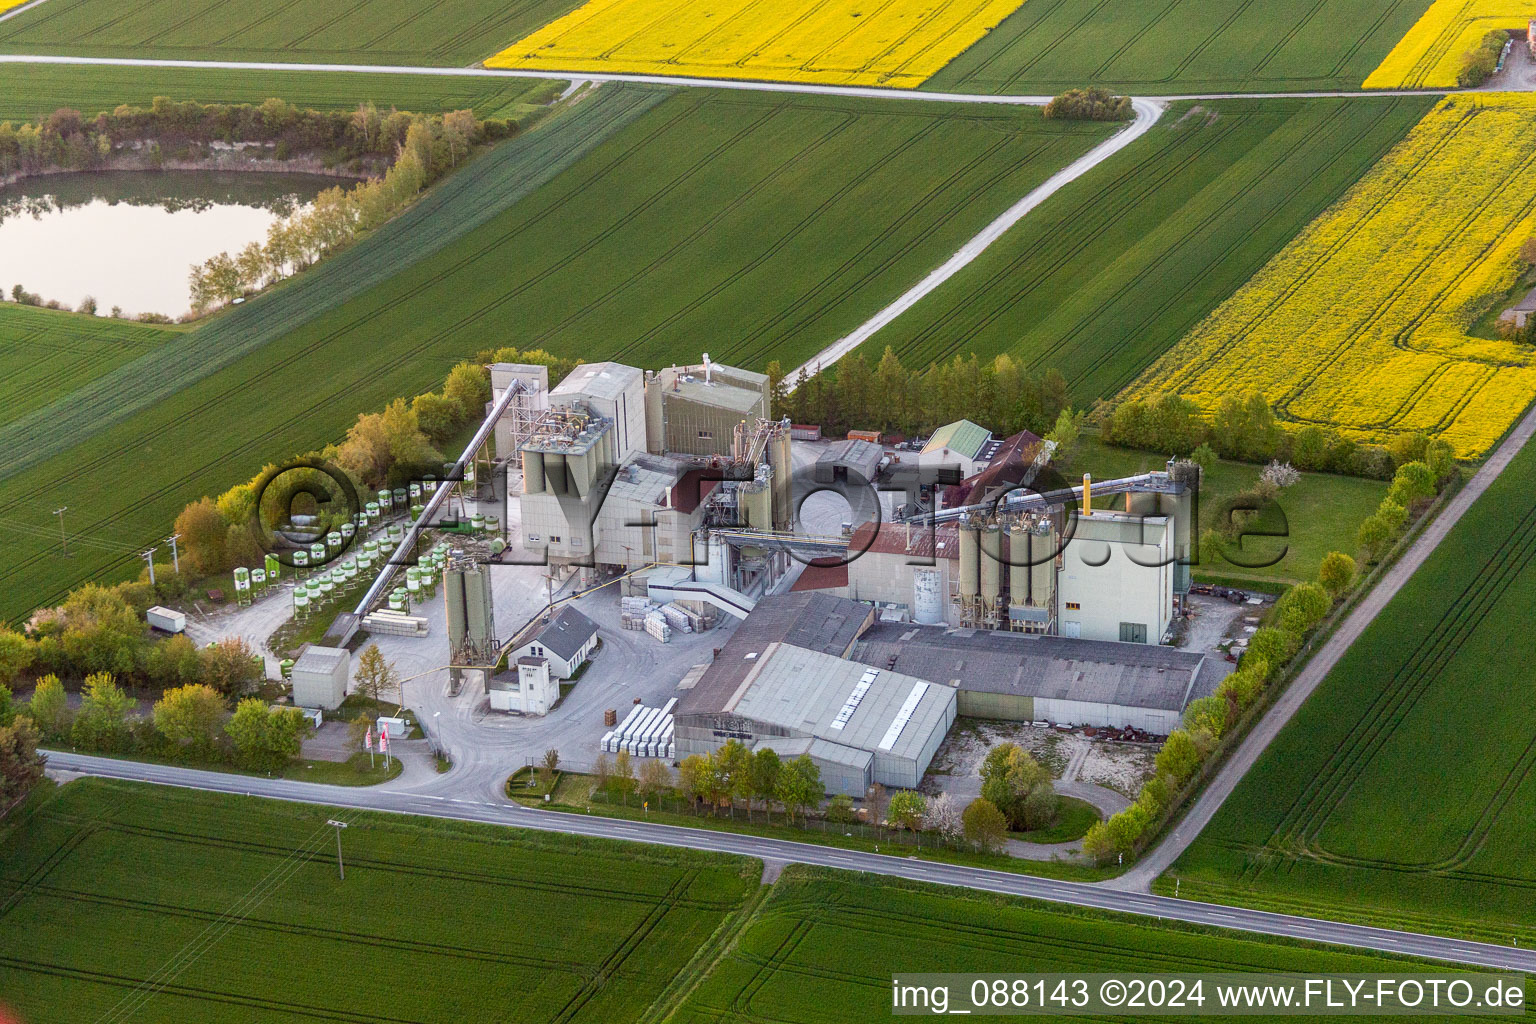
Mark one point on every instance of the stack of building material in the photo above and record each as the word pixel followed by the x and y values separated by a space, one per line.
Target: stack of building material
pixel 681 619
pixel 633 610
pixel 395 623
pixel 656 624
pixel 645 732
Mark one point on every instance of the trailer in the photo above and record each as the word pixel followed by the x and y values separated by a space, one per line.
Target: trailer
pixel 804 432
pixel 167 620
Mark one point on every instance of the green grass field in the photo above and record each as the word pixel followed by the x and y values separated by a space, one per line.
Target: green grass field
pixel 1169 47
pixel 107 887
pixel 1323 512
pixel 47 353
pixel 751 227
pixel 449 32
pixel 823 947
pixel 33 91
pixel 1114 269
pixel 1404 790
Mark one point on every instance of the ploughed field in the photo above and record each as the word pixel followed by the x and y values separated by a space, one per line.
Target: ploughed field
pixel 1364 322
pixel 824 945
pixel 754 227
pixel 449 32
pixel 1113 270
pixel 895 43
pixel 1173 47
pixel 120 900
pixel 1404 791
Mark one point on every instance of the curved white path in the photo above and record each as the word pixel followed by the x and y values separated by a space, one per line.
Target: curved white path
pixel 1147 113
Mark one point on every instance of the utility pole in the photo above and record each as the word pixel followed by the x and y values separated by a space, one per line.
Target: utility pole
pixel 341 872
pixel 64 537
pixel 149 556
pixel 175 555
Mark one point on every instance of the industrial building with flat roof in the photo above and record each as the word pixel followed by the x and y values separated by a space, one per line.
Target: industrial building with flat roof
pixel 783 682
pixel 1023 677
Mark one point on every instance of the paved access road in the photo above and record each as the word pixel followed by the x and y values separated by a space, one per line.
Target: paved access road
pixel 504 812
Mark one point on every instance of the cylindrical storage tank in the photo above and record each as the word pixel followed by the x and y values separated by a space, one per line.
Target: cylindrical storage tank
pixel 396 533
pixel 1018 570
pixel 300 603
pixel 399 493
pixel 386 500
pixel 348 531
pixel 927 595
pixel 1042 582
pixel 415 492
pixel 273 567
pixel 429 484
pixel 469 473
pixel 316 554
pixel 259 578
pixel 970 549
pixel 327 588
pixel 371 511
pixel 360 520
pixel 301 559
pixel 242 578
pixel 498 546
pixel 364 562
pixel 991 564
pixel 779 462
pixel 477 523
pixel 396 603
pixel 313 590
pixel 417 510
pixel 333 542
pixel 414 587
pixel 285 667
pixel 493 524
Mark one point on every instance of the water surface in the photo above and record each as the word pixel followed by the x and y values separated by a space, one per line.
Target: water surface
pixel 128 238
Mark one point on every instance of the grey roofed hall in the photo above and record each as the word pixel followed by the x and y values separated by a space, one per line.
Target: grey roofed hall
pixel 566 634
pixel 1060 668
pixel 818 622
pixel 322 659
pixel 805 692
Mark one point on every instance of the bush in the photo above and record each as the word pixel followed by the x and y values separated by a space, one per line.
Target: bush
pixel 1272 646
pixel 1302 607
pixel 1179 757
pixel 984 825
pixel 1092 104
pixel 1337 574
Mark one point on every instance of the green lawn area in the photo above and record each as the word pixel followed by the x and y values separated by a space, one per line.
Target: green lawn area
pixel 1170 47
pixel 107 884
pixel 1323 512
pixel 824 944
pixel 45 354
pixel 281 374
pixel 1113 270
pixel 450 32
pixel 573 795
pixel 764 226
pixel 1403 791
pixel 37 90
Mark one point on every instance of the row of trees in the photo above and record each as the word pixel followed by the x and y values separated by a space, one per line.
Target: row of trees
pixel 429 148
pixel 193 722
pixel 1244 427
pixel 1479 63
pixel 1413 486
pixel 360 139
pixel 1206 720
pixel 1016 792
pixel 1001 395
pixel 21 766
pixel 101 630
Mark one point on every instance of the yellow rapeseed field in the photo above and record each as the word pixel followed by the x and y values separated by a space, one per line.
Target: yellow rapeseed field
pixel 1430 55
pixel 1363 322
pixel 897 43
pixel 6 5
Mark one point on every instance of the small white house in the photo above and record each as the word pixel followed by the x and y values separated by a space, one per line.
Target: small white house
pixel 566 643
pixel 530 689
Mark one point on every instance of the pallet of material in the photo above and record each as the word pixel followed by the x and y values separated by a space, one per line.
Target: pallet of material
pixel 395 623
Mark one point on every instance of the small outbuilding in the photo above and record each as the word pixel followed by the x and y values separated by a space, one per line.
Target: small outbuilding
pixel 1518 315
pixel 320 677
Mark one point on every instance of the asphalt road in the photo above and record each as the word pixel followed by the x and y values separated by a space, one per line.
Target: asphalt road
pixel 503 812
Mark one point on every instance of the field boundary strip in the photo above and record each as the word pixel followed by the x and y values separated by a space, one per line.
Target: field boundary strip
pixel 9 11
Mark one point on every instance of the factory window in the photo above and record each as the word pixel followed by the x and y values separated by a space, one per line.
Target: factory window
pixel 706 435
pixel 553 539
pixel 538 652
pixel 1073 606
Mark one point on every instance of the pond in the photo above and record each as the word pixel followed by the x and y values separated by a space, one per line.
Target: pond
pixel 128 238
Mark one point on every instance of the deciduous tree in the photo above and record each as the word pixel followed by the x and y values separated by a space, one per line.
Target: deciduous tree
pixel 189 716
pixel 1337 574
pixel 376 678
pixel 907 808
pixel 984 825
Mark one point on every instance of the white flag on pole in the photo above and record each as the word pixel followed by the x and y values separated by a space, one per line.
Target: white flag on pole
pixel 368 740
